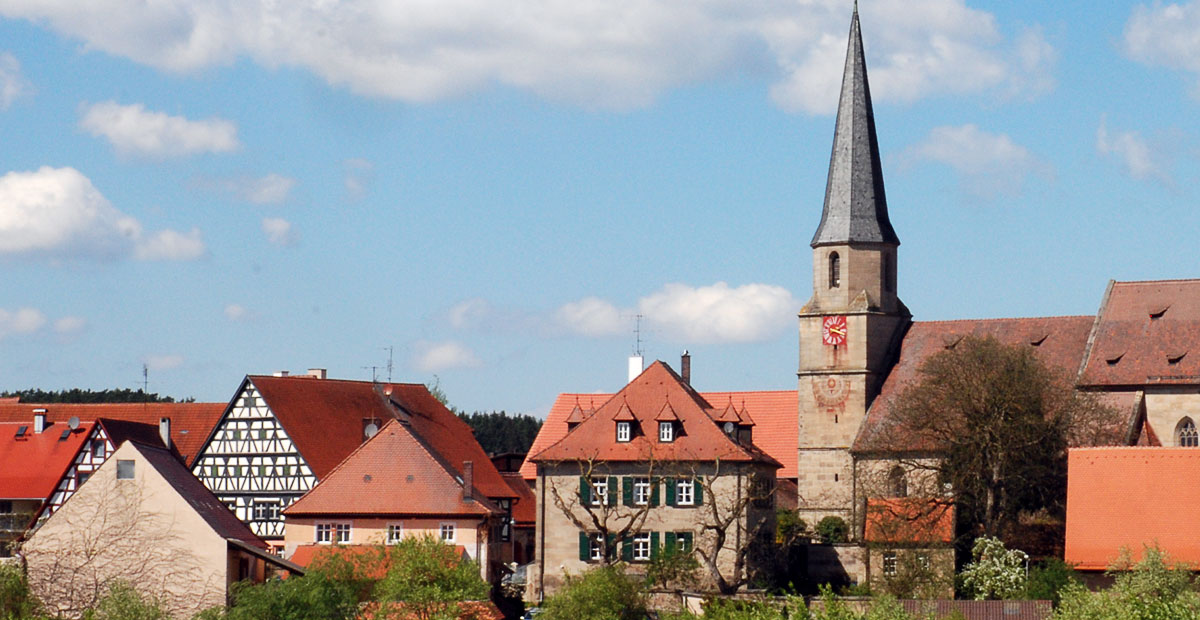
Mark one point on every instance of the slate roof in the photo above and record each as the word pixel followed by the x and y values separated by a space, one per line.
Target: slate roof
pixel 191 423
pixel 776 430
pixel 30 468
pixel 1058 341
pixel 323 418
pixel 1147 333
pixel 393 474
pixel 855 205
pixel 909 520
pixel 644 397
pixel 1131 497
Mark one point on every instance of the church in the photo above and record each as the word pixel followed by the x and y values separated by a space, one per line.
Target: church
pixel 859 348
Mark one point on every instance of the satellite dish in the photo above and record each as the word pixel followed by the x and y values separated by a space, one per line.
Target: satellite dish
pixel 370 429
pixel 729 428
pixel 73 423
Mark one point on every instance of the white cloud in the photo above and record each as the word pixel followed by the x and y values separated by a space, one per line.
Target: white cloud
pixel 592 317
pixel 359 175
pixel 720 313
pixel 134 130
pixel 1134 153
pixel 270 189
pixel 990 164
pixel 469 314
pixel 236 312
pixel 12 83
pixel 20 321
pixel 591 52
pixel 163 362
pixel 58 213
pixel 279 231
pixel 1165 35
pixel 438 356
pixel 69 325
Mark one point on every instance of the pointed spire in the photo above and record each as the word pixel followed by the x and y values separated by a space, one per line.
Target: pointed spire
pixel 855 205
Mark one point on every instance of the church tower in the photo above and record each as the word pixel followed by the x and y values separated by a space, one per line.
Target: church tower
pixel 851 328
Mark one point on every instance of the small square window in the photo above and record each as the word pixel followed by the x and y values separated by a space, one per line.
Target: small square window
pixel 666 431
pixel 447 532
pixel 685 492
pixel 641 491
pixel 266 510
pixel 923 561
pixel 343 533
pixel 641 547
pixel 889 563
pixel 124 469
pixel 624 432
pixel 395 531
pixel 599 491
pixel 98 449
pixel 596 547
pixel 324 533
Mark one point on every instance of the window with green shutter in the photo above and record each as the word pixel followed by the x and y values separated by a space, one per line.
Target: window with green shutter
pixel 698 487
pixel 627 491
pixel 670 482
pixel 612 490
pixel 585 491
pixel 627 549
pixel 654 484
pixel 585 547
pixel 653 545
pixel 670 541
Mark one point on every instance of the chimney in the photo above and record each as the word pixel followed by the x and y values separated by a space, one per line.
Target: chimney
pixel 39 420
pixel 468 480
pixel 281 373
pixel 635 367
pixel 164 431
pixel 317 372
pixel 685 368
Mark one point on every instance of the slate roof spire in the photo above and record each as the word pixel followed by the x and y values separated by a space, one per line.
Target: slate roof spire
pixel 855 205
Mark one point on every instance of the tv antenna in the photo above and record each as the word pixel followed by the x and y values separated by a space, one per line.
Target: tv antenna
pixel 389 349
pixel 374 372
pixel 637 334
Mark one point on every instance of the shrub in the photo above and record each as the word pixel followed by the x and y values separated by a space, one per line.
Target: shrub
pixel 123 602
pixel 603 593
pixel 832 529
pixel 995 572
pixel 1048 578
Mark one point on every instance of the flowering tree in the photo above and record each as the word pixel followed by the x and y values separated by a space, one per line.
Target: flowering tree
pixel 995 572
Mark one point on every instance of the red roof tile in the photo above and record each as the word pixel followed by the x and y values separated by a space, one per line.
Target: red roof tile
pixel 909 520
pixel 392 474
pixel 524 511
pixel 1130 497
pixel 776 433
pixel 1147 333
pixel 323 418
pixel 191 423
pixel 1058 341
pixel 642 399
pixel 30 468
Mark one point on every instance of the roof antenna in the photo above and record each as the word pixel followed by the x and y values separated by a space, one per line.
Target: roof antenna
pixel 389 350
pixel 637 334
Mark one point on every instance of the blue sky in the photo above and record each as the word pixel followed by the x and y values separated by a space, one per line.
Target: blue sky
pixel 496 189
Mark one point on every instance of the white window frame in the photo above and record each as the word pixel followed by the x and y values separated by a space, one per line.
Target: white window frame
pixel 685 492
pixel 599 491
pixel 641 547
pixel 642 490
pixel 596 546
pixel 394 533
pixel 666 432
pixel 624 431
pixel 330 532
pixel 270 507
pixel 342 531
pixel 447 527
pixel 890 563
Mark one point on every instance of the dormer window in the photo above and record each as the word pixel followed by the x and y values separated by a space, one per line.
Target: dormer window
pixel 666 432
pixel 624 431
pixel 835 270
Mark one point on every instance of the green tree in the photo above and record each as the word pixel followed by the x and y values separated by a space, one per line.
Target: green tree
pixel 995 572
pixel 123 602
pixel 832 529
pixel 76 395
pixel 499 432
pixel 602 593
pixel 430 578
pixel 16 601
pixel 1002 422
pixel 673 567
pixel 1048 578
pixel 1151 589
pixel 315 596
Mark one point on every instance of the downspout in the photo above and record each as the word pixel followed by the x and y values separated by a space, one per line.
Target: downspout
pixel 541 556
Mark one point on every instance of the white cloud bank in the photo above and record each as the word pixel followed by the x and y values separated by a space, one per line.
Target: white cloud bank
pixel 591 52
pixel 20 321
pixel 58 213
pixel 12 82
pixel 989 165
pixel 438 356
pixel 132 129
pixel 1134 154
pixel 1165 35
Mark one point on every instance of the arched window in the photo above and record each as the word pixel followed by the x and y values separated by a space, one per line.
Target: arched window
pixel 1185 434
pixel 835 270
pixel 897 485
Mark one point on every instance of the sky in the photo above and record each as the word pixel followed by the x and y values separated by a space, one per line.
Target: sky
pixel 506 199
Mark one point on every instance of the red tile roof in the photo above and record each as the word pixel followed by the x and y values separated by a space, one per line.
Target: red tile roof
pixel 1131 497
pixel 191 423
pixel 1147 333
pixel 775 412
pixel 323 418
pixel 392 474
pixel 30 468
pixel 1058 341
pixel 643 398
pixel 912 520
pixel 524 511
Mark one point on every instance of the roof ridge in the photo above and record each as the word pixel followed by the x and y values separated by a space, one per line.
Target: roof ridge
pixel 1007 318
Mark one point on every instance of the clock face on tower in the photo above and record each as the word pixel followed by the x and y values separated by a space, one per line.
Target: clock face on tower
pixel 833 330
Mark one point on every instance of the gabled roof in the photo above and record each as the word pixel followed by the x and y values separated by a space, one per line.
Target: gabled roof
pixel 392 474
pixel 1058 341
pixel 1147 333
pixel 1129 497
pixel 201 500
pixel 643 398
pixel 191 423
pixel 31 466
pixel 776 432
pixel 909 520
pixel 855 205
pixel 323 418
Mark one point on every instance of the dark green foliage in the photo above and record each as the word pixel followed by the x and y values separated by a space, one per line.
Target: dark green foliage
pixel 1048 578
pixel 833 529
pixel 603 593
pixel 315 596
pixel 789 527
pixel 673 568
pixel 16 601
pixel 430 578
pixel 498 432
pixel 1149 590
pixel 76 395
pixel 123 602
